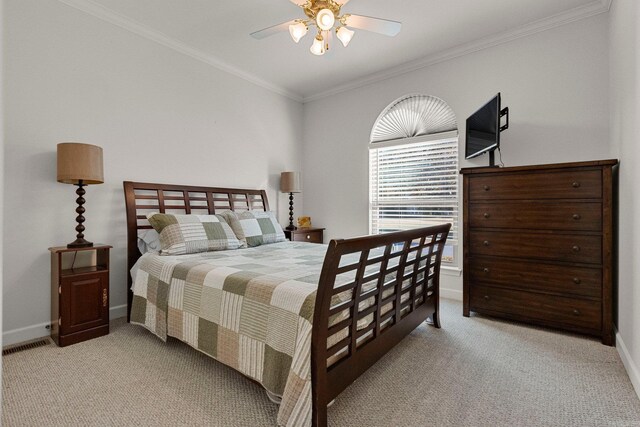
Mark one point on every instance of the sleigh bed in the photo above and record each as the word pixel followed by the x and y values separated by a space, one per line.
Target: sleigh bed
pixel 354 299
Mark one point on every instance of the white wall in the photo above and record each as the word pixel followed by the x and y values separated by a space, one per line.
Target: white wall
pixel 625 137
pixel 555 83
pixel 2 40
pixel 159 115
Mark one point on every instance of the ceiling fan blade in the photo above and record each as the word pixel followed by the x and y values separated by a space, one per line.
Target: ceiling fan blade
pixel 376 25
pixel 269 31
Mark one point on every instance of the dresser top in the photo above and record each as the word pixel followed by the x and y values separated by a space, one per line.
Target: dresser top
pixel 486 169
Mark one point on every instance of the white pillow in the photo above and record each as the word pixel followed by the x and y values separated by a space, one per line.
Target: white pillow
pixel 148 241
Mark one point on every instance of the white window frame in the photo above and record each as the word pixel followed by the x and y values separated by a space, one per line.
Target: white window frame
pixel 451 201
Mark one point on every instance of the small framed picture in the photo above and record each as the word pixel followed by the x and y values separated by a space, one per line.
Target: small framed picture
pixel 304 221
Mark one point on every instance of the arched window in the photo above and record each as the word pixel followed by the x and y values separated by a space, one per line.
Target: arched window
pixel 413 168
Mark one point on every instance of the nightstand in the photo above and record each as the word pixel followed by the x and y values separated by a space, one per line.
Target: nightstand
pixel 79 295
pixel 310 234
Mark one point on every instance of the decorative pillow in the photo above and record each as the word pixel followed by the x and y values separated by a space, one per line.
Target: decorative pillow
pixel 189 234
pixel 255 228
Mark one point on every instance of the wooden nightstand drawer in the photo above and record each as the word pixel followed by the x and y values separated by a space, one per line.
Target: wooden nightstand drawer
pixel 311 235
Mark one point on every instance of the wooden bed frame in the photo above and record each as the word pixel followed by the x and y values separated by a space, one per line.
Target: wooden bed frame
pixel 403 274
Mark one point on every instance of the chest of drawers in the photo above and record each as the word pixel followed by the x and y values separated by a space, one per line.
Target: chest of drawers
pixel 538 245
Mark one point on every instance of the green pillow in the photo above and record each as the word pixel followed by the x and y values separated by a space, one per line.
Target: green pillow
pixel 255 228
pixel 190 234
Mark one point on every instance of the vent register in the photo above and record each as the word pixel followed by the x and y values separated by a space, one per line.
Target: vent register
pixel 26 346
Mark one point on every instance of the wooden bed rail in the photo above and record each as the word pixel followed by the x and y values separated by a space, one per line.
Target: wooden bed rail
pixel 373 291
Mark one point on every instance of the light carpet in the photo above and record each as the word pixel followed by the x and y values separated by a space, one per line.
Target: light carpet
pixel 473 372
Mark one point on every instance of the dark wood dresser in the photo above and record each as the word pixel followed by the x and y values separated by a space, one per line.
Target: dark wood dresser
pixel 538 244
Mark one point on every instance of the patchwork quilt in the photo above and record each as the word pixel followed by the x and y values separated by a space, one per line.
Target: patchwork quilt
pixel 251 309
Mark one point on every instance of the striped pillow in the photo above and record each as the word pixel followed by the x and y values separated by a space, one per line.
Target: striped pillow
pixel 190 234
pixel 255 228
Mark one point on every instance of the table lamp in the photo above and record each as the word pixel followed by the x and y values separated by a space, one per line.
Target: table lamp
pixel 290 182
pixel 80 164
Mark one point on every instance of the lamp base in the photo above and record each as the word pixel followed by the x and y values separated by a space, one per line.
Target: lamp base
pixel 291 228
pixel 80 243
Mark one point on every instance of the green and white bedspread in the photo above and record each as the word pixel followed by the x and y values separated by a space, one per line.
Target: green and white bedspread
pixel 249 308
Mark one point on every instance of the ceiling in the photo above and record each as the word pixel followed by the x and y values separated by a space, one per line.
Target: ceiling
pixel 218 32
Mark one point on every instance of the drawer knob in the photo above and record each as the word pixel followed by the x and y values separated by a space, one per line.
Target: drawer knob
pixel 487 215
pixel 486 188
pixel 486 269
pixel 308 236
pixel 575 184
pixel 576 216
pixel 486 243
pixel 487 297
pixel 576 248
pixel 577 280
pixel 576 312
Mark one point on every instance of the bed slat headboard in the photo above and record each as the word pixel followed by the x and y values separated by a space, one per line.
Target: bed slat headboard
pixel 142 198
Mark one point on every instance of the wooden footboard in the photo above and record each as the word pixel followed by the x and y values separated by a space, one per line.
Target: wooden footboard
pixel 373 291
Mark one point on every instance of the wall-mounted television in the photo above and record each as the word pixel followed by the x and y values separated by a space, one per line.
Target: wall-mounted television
pixel 483 130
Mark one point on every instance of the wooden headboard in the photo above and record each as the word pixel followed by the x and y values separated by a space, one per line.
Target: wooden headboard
pixel 142 198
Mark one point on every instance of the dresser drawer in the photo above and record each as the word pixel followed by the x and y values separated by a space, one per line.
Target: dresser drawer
pixel 309 236
pixel 536 276
pixel 538 214
pixel 548 309
pixel 555 247
pixel 549 185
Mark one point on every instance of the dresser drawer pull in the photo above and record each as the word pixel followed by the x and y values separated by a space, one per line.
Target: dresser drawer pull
pixel 486 270
pixel 308 236
pixel 486 215
pixel 486 188
pixel 486 243
pixel 577 280
pixel 576 216
pixel 576 312
pixel 487 297
pixel 576 248
pixel 576 184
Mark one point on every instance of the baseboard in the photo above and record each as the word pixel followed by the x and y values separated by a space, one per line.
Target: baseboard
pixel 40 330
pixel 629 364
pixel 118 311
pixel 27 333
pixel 451 294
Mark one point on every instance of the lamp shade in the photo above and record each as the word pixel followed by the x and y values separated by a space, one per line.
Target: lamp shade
pixel 290 182
pixel 80 162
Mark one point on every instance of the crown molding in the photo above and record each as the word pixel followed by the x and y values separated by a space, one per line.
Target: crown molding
pixel 596 7
pixel 92 8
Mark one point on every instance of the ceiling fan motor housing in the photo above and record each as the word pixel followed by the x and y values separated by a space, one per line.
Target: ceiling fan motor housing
pixel 312 8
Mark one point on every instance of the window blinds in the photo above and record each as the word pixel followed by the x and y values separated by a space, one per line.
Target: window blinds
pixel 414 183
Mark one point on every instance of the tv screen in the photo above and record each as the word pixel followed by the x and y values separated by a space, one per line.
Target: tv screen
pixel 483 129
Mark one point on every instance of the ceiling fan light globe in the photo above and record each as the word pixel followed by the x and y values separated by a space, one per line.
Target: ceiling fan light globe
pixel 344 35
pixel 298 31
pixel 325 19
pixel 317 48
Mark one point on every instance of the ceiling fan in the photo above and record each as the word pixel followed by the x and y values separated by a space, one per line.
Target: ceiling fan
pixel 325 15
